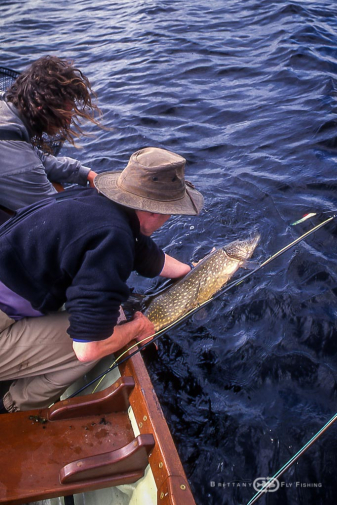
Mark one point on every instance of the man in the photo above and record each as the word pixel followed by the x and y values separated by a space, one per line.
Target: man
pixel 78 249
pixel 47 99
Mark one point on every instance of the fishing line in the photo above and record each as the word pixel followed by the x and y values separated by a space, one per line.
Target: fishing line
pixel 118 361
pixel 229 286
pixel 291 461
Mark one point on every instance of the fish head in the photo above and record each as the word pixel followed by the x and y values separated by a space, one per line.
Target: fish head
pixel 242 250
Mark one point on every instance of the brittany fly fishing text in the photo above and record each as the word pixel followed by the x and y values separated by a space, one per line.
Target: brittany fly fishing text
pixel 253 485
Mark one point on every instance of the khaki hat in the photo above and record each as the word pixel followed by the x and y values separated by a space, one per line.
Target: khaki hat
pixel 152 181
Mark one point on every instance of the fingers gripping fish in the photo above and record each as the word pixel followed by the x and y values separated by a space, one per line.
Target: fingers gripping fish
pixel 206 279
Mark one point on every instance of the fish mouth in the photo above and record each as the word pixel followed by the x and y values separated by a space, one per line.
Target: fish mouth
pixel 242 250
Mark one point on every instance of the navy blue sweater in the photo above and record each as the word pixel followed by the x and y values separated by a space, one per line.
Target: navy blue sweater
pixel 77 248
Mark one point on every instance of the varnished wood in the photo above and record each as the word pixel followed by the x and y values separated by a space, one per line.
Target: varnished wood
pixel 41 448
pixel 121 462
pixel 38 445
pixel 113 399
pixel 172 484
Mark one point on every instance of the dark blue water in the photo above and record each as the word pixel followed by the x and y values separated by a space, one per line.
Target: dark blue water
pixel 246 91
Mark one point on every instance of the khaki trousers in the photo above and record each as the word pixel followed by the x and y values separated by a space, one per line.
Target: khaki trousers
pixel 38 354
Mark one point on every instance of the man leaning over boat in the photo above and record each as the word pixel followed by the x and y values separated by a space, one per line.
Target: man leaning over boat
pixel 77 249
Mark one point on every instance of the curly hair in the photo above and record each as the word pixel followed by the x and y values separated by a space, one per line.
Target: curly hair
pixel 53 97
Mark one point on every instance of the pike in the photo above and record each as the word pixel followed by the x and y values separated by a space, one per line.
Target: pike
pixel 199 285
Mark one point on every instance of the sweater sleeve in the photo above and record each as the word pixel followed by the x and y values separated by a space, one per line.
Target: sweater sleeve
pixel 149 258
pixel 99 285
pixel 64 169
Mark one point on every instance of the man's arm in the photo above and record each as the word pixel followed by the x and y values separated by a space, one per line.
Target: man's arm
pixel 173 268
pixel 65 170
pixel 139 328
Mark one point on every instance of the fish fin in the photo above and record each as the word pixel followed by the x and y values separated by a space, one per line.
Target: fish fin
pixel 136 296
pixel 250 265
pixel 159 288
pixel 133 304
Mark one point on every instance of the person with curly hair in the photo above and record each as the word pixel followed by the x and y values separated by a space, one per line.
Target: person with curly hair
pixel 45 104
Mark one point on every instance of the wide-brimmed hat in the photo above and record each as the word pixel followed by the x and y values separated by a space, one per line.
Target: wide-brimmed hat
pixel 152 181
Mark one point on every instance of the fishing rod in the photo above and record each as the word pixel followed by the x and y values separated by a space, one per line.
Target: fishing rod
pixel 285 467
pixel 188 314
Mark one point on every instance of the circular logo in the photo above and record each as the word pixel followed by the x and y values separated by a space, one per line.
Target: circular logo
pixel 265 484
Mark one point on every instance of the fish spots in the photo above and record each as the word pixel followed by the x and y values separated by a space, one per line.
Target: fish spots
pixel 199 285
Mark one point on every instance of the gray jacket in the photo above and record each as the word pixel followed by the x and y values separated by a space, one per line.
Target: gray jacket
pixel 25 171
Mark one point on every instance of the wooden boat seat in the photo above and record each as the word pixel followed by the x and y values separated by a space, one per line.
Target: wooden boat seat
pixel 77 445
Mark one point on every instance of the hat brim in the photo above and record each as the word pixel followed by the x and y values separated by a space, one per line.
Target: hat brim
pixel 106 183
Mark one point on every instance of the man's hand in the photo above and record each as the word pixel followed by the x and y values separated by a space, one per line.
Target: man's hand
pixel 91 177
pixel 147 329
pixel 138 328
